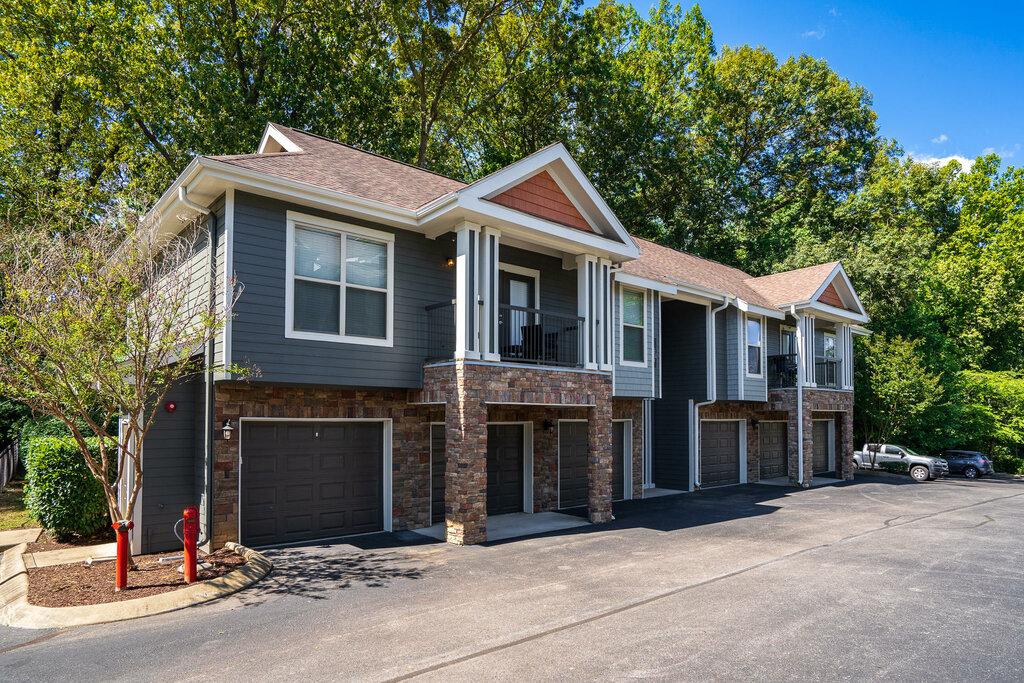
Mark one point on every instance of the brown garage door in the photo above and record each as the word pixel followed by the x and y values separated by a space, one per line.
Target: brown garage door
pixel 719 453
pixel 438 462
pixel 619 460
pixel 504 469
pixel 821 446
pixel 774 445
pixel 573 448
pixel 303 480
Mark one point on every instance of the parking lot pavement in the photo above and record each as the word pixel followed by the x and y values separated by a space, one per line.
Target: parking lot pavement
pixel 879 578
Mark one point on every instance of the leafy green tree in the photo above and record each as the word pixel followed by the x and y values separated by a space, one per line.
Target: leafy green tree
pixel 895 396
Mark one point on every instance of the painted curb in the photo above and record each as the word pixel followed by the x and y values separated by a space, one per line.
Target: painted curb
pixel 18 613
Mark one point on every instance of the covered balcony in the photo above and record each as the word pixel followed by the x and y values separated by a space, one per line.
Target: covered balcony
pixel 818 351
pixel 512 304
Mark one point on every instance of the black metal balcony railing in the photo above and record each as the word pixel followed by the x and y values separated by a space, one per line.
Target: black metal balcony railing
pixel 782 371
pixel 826 372
pixel 530 335
pixel 525 335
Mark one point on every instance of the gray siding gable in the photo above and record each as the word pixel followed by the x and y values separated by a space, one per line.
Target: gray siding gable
pixel 258 329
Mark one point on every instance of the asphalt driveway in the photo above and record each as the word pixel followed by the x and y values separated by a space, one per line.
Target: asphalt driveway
pixel 880 578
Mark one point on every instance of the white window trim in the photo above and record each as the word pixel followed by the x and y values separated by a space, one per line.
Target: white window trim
pixel 622 327
pixel 295 219
pixel 760 346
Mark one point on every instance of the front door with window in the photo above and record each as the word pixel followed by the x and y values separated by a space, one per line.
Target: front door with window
pixel 516 292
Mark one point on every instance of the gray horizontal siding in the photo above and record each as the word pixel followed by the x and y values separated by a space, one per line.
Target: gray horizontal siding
pixel 217 216
pixel 259 253
pixel 684 378
pixel 632 381
pixel 169 466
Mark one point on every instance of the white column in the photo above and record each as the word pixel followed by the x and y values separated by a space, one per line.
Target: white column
pixel 604 313
pixel 801 350
pixel 807 346
pixel 467 294
pixel 586 286
pixel 844 342
pixel 489 245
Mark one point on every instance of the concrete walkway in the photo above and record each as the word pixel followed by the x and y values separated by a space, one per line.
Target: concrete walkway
pixel 50 558
pixel 13 537
pixel 515 525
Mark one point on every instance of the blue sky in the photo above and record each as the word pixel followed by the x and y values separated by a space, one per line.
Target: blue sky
pixel 947 78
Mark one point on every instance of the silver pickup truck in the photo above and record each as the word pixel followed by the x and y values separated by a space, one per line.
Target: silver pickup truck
pixel 920 467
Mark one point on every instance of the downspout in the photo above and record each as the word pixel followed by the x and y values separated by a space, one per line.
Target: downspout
pixel 800 370
pixel 209 416
pixel 712 394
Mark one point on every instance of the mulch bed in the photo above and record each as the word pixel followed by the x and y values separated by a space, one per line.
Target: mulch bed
pixel 47 542
pixel 76 584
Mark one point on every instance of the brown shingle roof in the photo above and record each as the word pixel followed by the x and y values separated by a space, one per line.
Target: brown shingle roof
pixel 343 168
pixel 665 264
pixel 671 266
pixel 793 286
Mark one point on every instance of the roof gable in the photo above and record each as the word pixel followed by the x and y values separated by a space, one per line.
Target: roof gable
pixel 550 186
pixel 540 195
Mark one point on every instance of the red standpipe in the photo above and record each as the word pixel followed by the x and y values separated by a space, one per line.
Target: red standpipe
pixel 190 533
pixel 123 553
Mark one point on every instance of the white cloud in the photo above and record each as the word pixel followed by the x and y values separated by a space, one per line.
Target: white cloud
pixel 942 137
pixel 834 12
pixel 929 160
pixel 1005 153
pixel 817 34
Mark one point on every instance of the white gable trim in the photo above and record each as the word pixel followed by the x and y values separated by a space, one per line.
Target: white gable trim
pixel 840 273
pixel 499 181
pixel 272 134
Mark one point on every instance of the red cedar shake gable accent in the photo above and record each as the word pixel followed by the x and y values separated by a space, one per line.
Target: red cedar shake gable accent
pixel 831 297
pixel 540 196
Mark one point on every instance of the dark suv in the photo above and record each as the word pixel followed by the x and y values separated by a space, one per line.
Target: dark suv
pixel 971 464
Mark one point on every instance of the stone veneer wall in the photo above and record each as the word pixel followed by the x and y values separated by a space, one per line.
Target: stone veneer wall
pixel 820 404
pixel 410 442
pixel 633 409
pixel 411 434
pixel 472 390
pixel 749 411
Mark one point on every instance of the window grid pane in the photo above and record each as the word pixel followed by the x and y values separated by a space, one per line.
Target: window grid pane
pixel 317 254
pixel 365 313
pixel 366 263
pixel 754 332
pixel 316 307
pixel 632 308
pixel 633 344
pixel 754 360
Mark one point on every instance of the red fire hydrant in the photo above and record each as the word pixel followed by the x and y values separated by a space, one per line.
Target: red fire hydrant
pixel 190 534
pixel 123 553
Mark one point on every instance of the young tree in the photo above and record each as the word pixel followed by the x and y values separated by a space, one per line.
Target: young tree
pixel 99 321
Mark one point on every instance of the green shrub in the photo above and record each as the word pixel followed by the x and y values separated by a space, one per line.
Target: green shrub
pixel 894 467
pixel 1011 464
pixel 60 491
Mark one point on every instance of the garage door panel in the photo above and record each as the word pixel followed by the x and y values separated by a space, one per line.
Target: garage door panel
pixel 573 452
pixel 307 481
pixel 504 469
pixel 719 453
pixel 773 455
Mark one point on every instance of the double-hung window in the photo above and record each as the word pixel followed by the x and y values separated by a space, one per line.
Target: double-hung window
pixel 340 282
pixel 754 343
pixel 634 336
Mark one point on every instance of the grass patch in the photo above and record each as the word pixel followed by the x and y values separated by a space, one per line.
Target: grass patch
pixel 13 514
